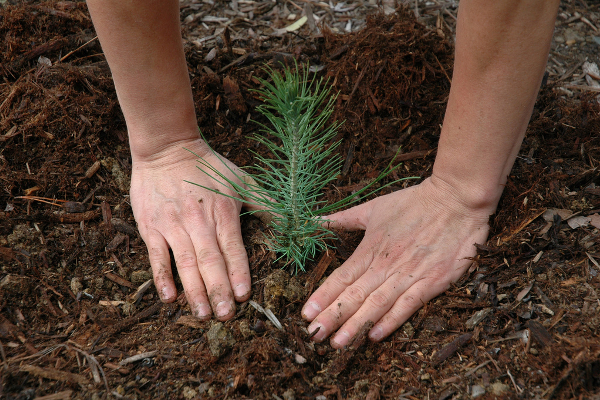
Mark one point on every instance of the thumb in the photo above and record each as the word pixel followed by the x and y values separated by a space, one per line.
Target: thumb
pixel 352 219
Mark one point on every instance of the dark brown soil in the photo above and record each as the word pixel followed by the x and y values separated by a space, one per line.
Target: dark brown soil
pixel 69 269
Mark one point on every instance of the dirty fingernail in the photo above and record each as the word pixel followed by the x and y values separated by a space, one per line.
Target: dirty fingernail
pixel 376 333
pixel 311 310
pixel 223 308
pixel 166 293
pixel 314 335
pixel 341 339
pixel 202 311
pixel 241 290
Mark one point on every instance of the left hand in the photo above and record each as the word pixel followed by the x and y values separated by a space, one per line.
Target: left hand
pixel 417 241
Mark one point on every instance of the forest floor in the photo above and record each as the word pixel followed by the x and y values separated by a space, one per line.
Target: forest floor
pixel 80 318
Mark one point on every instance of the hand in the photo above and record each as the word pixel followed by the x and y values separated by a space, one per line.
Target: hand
pixel 202 229
pixel 417 241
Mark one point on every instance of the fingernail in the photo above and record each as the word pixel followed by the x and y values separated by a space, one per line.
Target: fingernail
pixel 202 311
pixel 311 310
pixel 223 308
pixel 166 293
pixel 319 336
pixel 241 290
pixel 341 339
pixel 376 333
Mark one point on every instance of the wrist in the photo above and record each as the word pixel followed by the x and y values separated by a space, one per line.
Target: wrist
pixel 470 195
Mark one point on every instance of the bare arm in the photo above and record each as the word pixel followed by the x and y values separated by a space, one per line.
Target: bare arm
pixel 420 239
pixel 142 43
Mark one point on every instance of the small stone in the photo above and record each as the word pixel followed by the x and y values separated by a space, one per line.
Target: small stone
pixel 426 377
pixel 140 276
pixel 299 359
pixel 15 284
pixel 203 388
pixel 559 39
pixel 245 330
pixel 533 351
pixel 128 309
pixel 361 385
pixel 499 388
pixel 477 391
pixel 408 329
pixel 320 397
pixel 289 395
pixel 98 283
pixel 220 339
pixel 76 285
pixel 188 392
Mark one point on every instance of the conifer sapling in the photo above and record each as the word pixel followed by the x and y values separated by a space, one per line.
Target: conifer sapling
pixel 289 183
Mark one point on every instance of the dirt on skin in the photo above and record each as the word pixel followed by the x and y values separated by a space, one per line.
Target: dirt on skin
pixel 75 302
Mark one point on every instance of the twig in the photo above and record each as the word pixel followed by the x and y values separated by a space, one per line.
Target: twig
pixel 493 361
pixel 138 357
pixel 443 69
pixel 77 49
pixel 518 389
pixel 583 87
pixel 477 367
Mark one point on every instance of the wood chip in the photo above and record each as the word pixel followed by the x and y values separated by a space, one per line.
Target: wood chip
pixel 64 395
pixel 478 317
pixel 340 361
pixel 55 374
pixel 141 290
pixel 119 280
pixel 190 321
pixel 451 348
pixel 539 333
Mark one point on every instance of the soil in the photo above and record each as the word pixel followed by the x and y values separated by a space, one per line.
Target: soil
pixel 80 319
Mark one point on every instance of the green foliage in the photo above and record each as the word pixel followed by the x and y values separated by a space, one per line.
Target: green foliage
pixel 289 183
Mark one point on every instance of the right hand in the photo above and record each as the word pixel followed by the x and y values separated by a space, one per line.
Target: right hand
pixel 201 227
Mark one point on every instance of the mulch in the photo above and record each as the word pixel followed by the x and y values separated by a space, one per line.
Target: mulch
pixel 78 318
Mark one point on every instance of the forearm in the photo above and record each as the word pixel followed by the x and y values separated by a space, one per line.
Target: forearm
pixel 142 42
pixel 501 53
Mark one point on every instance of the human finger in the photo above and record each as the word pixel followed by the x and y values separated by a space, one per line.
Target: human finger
pixel 406 305
pixel 355 218
pixel 340 279
pixel 187 267
pixel 379 299
pixel 212 268
pixel 160 261
pixel 229 238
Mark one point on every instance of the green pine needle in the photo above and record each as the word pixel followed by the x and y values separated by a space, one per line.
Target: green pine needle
pixel 289 183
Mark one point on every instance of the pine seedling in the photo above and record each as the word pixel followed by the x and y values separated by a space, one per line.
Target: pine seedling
pixel 288 184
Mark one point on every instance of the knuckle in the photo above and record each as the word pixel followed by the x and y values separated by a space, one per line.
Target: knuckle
pixel 207 256
pixel 225 208
pixel 356 294
pixel 345 276
pixel 185 261
pixel 157 256
pixel 379 299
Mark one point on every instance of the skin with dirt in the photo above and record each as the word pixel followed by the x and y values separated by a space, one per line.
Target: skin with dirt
pixel 522 322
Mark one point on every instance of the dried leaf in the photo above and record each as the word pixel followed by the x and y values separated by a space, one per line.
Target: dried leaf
pixel 595 220
pixel 551 212
pixel 524 292
pixel 579 221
